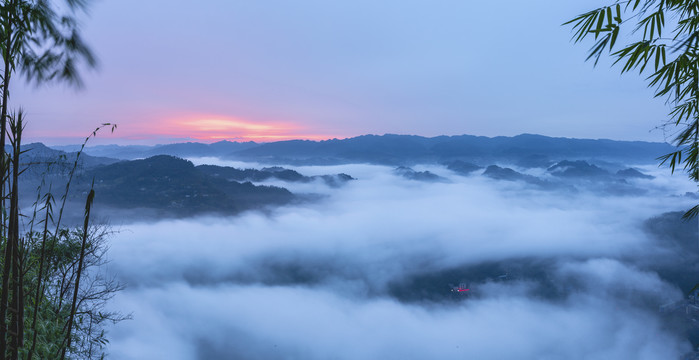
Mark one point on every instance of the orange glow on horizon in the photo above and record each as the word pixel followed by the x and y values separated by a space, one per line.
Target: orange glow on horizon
pixel 265 138
pixel 191 127
pixel 216 125
pixel 212 128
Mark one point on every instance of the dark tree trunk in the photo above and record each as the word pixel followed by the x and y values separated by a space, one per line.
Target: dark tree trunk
pixel 39 284
pixel 88 204
pixel 16 326
pixel 4 291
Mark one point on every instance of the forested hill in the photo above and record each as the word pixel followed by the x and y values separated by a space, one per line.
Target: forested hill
pixel 34 153
pixel 524 150
pixel 175 185
pixel 169 185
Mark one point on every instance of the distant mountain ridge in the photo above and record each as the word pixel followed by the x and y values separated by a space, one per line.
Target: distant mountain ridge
pixel 187 149
pixel 38 153
pixel 163 185
pixel 166 185
pixel 170 183
pixel 398 150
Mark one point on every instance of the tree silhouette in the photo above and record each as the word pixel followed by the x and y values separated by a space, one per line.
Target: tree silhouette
pixel 667 52
pixel 42 41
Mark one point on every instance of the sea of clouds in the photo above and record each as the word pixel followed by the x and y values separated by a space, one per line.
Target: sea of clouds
pixel 366 272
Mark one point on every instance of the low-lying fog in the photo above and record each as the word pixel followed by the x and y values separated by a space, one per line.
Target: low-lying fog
pixel 368 272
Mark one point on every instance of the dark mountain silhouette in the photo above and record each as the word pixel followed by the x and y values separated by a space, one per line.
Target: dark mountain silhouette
pixel 580 169
pixel 38 153
pixel 188 149
pixel 534 161
pixel 500 173
pixel 582 174
pixel 193 149
pixel 172 184
pixel 633 173
pixel 274 172
pixel 411 174
pixel 122 152
pixel 461 167
pixel 524 150
pixel 408 149
pixel 681 264
pixel 230 173
pixel 168 184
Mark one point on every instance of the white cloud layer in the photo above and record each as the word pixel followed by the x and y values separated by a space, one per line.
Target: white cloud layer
pixel 318 281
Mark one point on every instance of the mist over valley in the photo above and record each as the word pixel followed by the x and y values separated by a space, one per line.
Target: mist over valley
pixel 514 254
pixel 298 180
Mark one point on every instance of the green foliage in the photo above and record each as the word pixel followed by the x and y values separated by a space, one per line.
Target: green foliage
pixel 42 40
pixel 60 273
pixel 667 51
pixel 43 43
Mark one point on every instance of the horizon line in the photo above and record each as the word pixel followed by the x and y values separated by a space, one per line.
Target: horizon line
pixel 61 142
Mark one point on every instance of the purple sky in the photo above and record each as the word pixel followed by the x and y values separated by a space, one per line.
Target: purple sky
pixel 266 70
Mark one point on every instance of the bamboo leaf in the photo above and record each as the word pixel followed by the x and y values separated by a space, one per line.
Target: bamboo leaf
pixel 600 21
pixel 615 33
pixel 663 53
pixel 691 213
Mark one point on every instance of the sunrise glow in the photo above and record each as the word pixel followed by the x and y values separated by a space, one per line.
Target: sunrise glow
pixel 227 125
pixel 209 129
pixel 204 128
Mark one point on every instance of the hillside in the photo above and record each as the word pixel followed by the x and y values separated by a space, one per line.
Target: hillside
pixel 396 150
pixel 175 185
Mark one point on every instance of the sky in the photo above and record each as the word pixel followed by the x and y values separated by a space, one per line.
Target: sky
pixel 213 70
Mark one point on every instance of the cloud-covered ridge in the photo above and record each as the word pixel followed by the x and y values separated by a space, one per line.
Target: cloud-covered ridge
pixel 368 271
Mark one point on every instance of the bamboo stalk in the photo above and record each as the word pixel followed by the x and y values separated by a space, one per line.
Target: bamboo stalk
pixel 88 204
